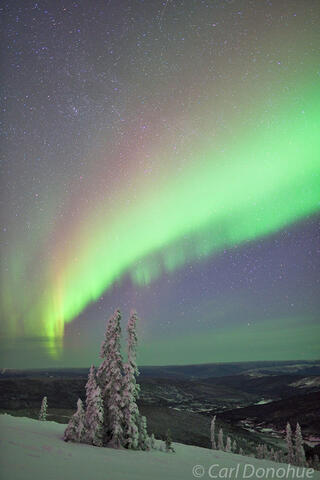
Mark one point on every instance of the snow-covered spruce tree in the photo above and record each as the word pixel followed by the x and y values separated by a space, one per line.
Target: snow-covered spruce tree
pixel 271 454
pixel 168 442
pixel 103 373
pixel 43 409
pixel 131 389
pixel 228 445
pixel 109 378
pixel 143 440
pixel 266 453
pixel 234 446
pixel 220 440
pixel 282 456
pixel 152 442
pixel 94 412
pixel 314 462
pixel 290 452
pixel 299 453
pixel 212 433
pixel 259 450
pixel 75 431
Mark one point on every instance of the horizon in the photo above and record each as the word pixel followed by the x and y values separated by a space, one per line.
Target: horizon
pixel 255 362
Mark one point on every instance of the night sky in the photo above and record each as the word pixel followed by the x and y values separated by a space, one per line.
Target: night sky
pixel 162 156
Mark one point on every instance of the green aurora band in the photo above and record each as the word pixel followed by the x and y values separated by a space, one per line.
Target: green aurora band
pixel 264 180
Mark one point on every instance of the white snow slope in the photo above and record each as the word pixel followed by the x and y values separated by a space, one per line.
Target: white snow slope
pixel 32 450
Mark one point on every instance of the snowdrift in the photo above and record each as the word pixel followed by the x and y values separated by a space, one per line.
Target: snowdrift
pixel 32 450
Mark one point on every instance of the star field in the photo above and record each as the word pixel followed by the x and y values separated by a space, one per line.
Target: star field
pixel 163 156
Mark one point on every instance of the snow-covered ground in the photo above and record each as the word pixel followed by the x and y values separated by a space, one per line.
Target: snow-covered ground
pixel 263 402
pixel 306 382
pixel 32 450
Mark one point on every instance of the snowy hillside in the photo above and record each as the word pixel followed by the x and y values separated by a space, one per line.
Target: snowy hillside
pixel 32 450
pixel 307 382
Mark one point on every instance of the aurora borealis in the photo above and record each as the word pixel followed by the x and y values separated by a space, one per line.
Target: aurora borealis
pixel 163 156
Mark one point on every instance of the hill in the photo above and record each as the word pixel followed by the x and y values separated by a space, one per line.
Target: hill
pixel 204 370
pixel 303 409
pixel 31 450
pixel 251 408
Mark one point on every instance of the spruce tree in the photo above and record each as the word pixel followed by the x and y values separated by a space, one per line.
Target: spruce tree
pixel 220 440
pixel 102 376
pixel 110 382
pixel 94 412
pixel 212 433
pixel 143 440
pixel 282 457
pixel 228 445
pixel 75 431
pixel 168 442
pixel 299 453
pixel 43 409
pixel 259 450
pixel 315 462
pixel 290 452
pixel 271 454
pixel 152 442
pixel 131 388
pixel 266 453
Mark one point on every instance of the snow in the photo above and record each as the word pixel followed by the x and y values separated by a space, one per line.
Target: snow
pixel 32 450
pixel 263 402
pixel 306 382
